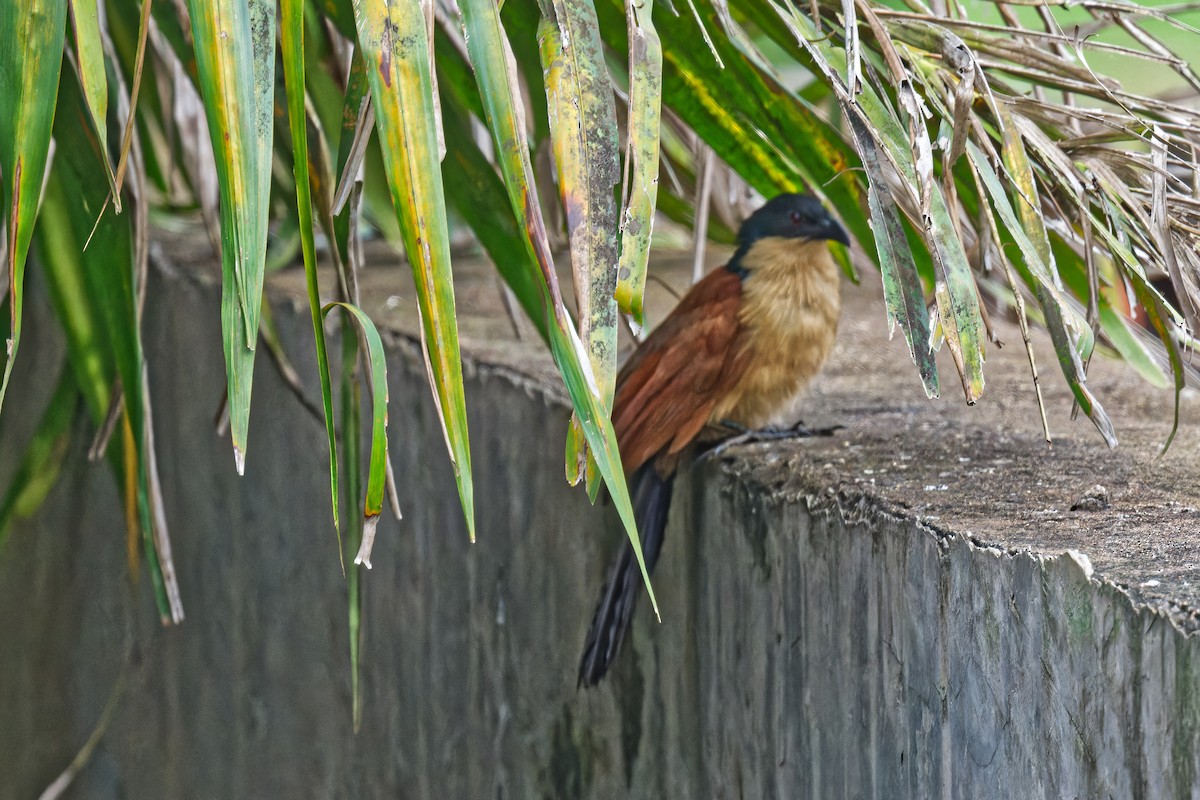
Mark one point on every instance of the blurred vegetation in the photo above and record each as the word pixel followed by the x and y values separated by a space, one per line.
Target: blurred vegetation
pixel 1038 157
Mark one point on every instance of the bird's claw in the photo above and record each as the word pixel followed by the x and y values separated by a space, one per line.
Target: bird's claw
pixel 768 434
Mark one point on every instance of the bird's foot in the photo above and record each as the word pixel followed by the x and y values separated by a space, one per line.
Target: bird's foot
pixel 770 433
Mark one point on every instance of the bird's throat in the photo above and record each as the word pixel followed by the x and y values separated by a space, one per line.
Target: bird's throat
pixel 791 301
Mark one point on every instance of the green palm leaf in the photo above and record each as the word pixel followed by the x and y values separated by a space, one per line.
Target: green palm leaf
pixel 395 45
pixel 29 70
pixel 234 43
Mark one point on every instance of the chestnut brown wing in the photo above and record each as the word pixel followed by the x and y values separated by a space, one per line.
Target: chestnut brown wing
pixel 667 389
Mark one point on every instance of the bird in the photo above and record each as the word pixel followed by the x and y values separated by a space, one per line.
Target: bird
pixel 730 358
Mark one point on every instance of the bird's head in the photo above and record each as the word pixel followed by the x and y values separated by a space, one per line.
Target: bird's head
pixel 792 216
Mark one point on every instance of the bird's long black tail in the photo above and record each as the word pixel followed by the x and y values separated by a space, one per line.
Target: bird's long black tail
pixel 651 495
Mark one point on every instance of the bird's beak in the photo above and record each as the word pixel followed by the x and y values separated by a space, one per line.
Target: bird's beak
pixel 835 232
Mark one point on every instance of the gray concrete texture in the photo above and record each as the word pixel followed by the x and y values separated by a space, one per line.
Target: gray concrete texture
pixel 886 613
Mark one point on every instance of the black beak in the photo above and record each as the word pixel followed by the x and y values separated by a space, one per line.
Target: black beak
pixel 834 232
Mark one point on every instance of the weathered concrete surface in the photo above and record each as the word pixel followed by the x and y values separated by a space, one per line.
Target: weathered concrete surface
pixel 885 613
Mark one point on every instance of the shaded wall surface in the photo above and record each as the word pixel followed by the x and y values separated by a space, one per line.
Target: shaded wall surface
pixel 829 630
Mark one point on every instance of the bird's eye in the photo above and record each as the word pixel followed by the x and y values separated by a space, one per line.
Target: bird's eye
pixel 796 217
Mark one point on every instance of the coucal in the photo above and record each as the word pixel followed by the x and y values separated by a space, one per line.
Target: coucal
pixel 730 358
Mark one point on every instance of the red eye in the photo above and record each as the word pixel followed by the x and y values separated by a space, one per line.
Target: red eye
pixel 796 217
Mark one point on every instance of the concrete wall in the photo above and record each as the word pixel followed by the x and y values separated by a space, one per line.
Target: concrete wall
pixel 815 642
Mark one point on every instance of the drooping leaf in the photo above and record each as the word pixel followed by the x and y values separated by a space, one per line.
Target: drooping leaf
pixel 234 43
pixel 1117 328
pixel 1157 314
pixel 1054 306
pixel 645 120
pixel 583 132
pixel 291 34
pixel 902 290
pixel 89 61
pixel 395 45
pixel 495 74
pixel 377 475
pixel 30 63
pixel 95 293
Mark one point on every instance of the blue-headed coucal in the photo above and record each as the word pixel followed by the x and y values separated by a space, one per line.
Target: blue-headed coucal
pixel 731 357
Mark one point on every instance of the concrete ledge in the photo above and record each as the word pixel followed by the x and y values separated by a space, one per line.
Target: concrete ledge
pixel 887 613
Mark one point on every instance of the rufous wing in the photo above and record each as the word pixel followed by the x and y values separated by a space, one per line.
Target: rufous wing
pixel 667 389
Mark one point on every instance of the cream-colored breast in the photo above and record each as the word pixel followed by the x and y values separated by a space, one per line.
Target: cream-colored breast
pixel 791 300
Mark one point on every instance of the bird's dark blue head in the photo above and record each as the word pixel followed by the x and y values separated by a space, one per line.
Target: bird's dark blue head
pixel 791 216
